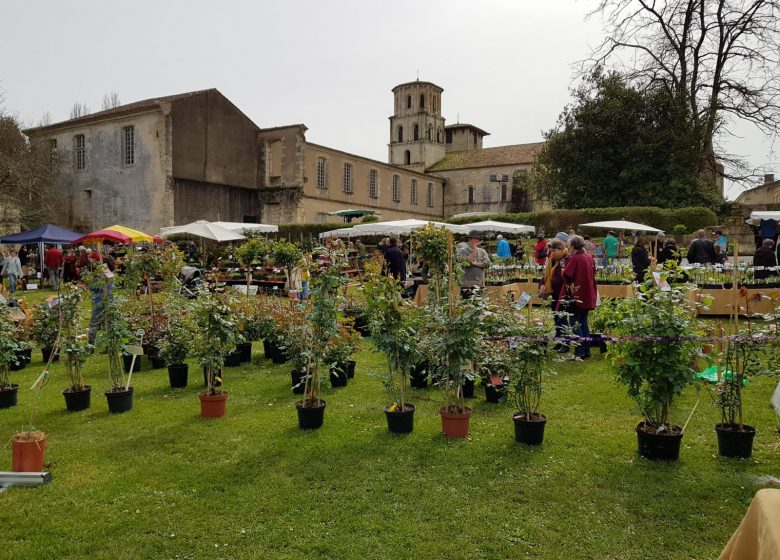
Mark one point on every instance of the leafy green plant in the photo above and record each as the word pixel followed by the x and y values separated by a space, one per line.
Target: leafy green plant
pixel 393 326
pixel 434 246
pixel 528 365
pixel 657 366
pixel 176 340
pixel 9 348
pixel 73 342
pixel 323 321
pixel 45 325
pixel 111 339
pixel 217 334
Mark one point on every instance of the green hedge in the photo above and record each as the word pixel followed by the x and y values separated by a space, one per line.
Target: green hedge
pixel 297 232
pixel 563 220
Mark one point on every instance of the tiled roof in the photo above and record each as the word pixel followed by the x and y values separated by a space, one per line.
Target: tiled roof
pixel 488 157
pixel 121 109
pixel 465 125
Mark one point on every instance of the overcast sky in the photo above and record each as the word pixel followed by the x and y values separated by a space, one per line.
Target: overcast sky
pixel 505 65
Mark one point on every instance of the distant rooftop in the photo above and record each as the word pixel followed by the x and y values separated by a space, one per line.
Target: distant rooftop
pixel 486 157
pixel 465 125
pixel 122 109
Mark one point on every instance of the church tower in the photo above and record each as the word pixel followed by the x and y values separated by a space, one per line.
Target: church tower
pixel 416 127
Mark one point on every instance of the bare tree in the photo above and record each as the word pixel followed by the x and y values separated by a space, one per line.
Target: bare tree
pixel 110 100
pixel 78 110
pixel 45 119
pixel 719 59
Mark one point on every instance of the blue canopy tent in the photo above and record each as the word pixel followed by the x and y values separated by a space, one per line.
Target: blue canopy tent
pixel 44 234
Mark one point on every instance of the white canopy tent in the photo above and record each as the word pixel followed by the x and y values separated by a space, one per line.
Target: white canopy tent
pixel 204 229
pixel 757 216
pixel 622 225
pixel 401 227
pixel 341 232
pixel 240 226
pixel 500 227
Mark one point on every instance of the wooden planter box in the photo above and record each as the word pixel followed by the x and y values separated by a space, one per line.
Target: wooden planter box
pixel 723 299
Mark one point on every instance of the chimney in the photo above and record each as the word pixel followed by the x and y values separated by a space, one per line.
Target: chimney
pixel 769 178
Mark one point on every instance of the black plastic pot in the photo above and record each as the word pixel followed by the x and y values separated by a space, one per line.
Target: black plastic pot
pixel 120 401
pixel 278 355
pixel 361 326
pixel 217 373
pixel 19 364
pixel 177 375
pixel 46 353
pixel 245 350
pixel 298 381
pixel 157 361
pixel 127 360
pixel 468 389
pixel 79 399
pixel 529 431
pixel 233 358
pixel 735 443
pixel 400 422
pixel 351 368
pixel 8 397
pixel 418 376
pixel 310 417
pixel 662 446
pixel 597 341
pixel 27 354
pixel 338 376
pixel 495 393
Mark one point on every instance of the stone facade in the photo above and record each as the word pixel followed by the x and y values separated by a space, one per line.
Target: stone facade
pixel 762 195
pixel 416 127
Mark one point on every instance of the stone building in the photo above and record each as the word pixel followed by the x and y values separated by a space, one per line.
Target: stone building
pixel 175 159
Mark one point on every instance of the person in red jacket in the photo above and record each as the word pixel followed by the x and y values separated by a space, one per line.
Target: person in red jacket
pixel 580 277
pixel 52 260
pixel 540 250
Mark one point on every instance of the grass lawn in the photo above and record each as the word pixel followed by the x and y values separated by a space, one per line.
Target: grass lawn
pixel 160 482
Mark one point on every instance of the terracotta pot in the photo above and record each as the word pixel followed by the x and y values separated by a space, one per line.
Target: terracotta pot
pixel 212 406
pixel 27 453
pixel 455 424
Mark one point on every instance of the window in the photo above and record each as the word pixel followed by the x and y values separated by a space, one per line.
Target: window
pixel 53 150
pixel 429 198
pixel 396 188
pixel 373 191
pixel 128 145
pixel 407 157
pixel 433 102
pixel 438 135
pixel 322 173
pixel 347 177
pixel 471 195
pixel 79 152
pixel 485 194
pixel 416 133
pixel 322 217
pixel 448 136
pixel 400 134
pixel 503 193
pixel 413 192
pixel 408 101
pixel 429 133
pixel 422 102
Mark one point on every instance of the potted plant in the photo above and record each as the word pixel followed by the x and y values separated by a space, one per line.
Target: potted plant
pixel 9 354
pixel 745 354
pixel 111 339
pixel 526 370
pixel 322 320
pixel 655 372
pixel 45 328
pixel 395 335
pixel 174 346
pixel 295 342
pixel 217 334
pixel 493 369
pixel 74 344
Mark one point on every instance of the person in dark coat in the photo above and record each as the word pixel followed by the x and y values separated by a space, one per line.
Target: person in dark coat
pixel 580 277
pixel 395 261
pixel 553 286
pixel 702 250
pixel 765 257
pixel 640 260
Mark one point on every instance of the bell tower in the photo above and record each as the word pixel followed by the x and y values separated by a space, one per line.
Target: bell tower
pixel 416 127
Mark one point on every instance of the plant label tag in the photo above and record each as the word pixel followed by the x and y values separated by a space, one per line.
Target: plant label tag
pixel 522 301
pixel 134 350
pixel 661 282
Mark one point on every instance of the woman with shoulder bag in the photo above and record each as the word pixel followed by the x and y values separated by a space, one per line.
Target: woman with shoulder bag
pixel 553 286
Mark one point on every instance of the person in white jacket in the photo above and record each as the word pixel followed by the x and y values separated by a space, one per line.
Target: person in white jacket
pixel 12 268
